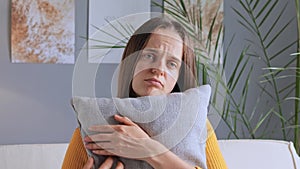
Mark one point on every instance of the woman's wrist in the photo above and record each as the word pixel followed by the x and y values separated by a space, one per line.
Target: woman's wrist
pixel 157 160
pixel 166 159
pixel 154 149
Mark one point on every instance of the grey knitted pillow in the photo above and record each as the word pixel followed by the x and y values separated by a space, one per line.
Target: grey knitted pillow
pixel 177 120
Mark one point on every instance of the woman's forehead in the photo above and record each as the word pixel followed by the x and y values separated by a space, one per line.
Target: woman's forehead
pixel 168 33
pixel 162 44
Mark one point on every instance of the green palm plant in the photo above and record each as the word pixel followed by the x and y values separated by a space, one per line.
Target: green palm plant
pixel 266 37
pixel 206 31
pixel 297 90
pixel 255 17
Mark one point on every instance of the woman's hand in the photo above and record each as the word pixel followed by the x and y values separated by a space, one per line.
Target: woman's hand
pixel 125 140
pixel 130 141
pixel 105 165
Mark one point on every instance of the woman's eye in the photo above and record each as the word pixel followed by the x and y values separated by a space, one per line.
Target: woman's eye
pixel 172 64
pixel 148 56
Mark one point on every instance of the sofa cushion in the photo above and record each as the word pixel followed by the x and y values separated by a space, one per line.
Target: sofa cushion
pixel 259 154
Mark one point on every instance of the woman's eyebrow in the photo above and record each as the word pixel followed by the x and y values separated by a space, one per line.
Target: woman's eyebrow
pixel 151 50
pixel 175 58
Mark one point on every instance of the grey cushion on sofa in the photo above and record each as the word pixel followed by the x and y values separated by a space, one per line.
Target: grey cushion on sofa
pixel 177 120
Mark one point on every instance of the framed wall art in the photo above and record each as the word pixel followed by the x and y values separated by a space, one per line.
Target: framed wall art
pixel 43 31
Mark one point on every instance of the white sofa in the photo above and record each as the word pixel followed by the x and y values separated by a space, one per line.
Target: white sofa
pixel 259 154
pixel 239 154
pixel 32 156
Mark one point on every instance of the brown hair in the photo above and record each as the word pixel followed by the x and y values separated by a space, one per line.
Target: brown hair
pixel 139 40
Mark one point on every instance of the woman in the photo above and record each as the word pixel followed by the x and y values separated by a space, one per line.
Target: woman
pixel 157 60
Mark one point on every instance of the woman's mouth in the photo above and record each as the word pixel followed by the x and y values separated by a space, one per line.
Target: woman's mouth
pixel 154 82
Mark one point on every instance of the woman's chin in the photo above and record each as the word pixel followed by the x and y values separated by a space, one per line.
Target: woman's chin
pixel 155 93
pixel 150 91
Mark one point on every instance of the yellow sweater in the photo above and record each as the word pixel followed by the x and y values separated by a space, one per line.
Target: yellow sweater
pixel 76 155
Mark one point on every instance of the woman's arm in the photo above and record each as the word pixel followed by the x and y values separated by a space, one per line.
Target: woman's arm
pixel 167 160
pixel 76 156
pixel 130 141
pixel 214 158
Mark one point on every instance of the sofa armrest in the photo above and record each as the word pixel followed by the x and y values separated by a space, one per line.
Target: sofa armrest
pixel 32 156
pixel 259 154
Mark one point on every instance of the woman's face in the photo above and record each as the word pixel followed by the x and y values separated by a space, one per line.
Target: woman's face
pixel 157 70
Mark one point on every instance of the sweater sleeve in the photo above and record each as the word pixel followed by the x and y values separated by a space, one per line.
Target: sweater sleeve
pixel 214 157
pixel 76 155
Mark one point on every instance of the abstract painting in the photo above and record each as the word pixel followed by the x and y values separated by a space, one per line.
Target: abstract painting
pixel 42 31
pixel 205 18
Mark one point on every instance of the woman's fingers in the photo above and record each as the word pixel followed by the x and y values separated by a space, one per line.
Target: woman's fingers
pixel 102 128
pixel 127 139
pixel 98 137
pixel 95 146
pixel 120 165
pixel 107 164
pixel 105 131
pixel 89 163
pixel 103 152
pixel 124 120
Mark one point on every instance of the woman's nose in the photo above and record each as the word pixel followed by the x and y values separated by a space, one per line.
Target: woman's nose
pixel 157 71
pixel 158 68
